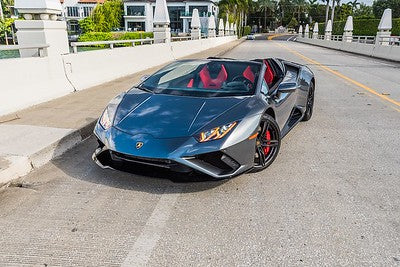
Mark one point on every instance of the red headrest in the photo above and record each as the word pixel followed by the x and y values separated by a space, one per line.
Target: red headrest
pixel 211 83
pixel 269 73
pixel 248 74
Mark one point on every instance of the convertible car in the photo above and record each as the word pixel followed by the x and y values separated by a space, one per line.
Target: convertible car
pixel 220 117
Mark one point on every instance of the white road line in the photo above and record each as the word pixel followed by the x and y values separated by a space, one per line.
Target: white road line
pixel 290 38
pixel 141 251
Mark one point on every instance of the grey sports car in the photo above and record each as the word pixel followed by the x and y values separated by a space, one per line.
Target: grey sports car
pixel 220 117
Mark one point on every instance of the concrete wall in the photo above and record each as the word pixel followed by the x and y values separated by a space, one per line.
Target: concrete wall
pixel 372 50
pixel 92 68
pixel 29 81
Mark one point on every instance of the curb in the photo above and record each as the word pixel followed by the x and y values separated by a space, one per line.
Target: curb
pixel 20 166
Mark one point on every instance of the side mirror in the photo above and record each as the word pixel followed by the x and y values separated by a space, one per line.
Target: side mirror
pixel 287 87
pixel 144 77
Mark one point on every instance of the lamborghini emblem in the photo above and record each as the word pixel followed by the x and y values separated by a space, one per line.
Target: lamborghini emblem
pixel 139 145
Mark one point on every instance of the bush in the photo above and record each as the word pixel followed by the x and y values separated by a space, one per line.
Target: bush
pixel 87 25
pixel 246 30
pixel 96 36
pixel 293 23
pixel 368 27
pixel 108 15
pixel 109 36
pixel 5 26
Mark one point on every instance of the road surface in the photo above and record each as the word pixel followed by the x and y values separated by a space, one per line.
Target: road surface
pixel 330 198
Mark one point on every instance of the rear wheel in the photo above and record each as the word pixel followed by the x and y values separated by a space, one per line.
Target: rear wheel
pixel 310 103
pixel 267 144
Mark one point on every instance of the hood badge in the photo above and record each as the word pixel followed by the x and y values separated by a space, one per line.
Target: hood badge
pixel 139 145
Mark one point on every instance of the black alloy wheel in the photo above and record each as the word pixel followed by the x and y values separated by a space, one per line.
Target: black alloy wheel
pixel 310 103
pixel 268 143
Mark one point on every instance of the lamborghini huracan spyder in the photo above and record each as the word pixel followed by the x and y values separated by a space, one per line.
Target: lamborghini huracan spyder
pixel 219 117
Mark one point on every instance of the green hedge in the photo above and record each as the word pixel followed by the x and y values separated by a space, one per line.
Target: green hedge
pixel 246 30
pixel 367 27
pixel 110 36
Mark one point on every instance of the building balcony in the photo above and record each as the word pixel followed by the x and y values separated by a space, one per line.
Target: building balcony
pixel 189 14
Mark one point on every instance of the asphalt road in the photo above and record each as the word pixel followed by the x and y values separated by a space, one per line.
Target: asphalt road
pixel 332 197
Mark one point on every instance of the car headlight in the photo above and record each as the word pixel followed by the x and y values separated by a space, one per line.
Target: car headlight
pixel 107 118
pixel 216 133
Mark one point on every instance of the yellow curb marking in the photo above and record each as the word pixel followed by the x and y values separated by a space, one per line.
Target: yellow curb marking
pixel 344 77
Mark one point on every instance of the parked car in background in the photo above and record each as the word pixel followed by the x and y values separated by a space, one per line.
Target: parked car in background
pixel 251 36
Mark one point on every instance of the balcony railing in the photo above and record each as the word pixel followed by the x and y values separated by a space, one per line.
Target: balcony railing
pixel 189 14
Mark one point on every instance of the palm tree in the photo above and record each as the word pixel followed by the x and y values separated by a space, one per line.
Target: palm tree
pixel 313 2
pixel 326 10
pixel 267 6
pixel 354 4
pixel 333 9
pixel 237 9
pixel 300 6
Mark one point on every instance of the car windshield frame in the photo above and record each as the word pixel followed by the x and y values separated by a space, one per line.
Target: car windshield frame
pixel 185 73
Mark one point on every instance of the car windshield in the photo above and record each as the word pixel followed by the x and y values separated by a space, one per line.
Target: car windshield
pixel 205 78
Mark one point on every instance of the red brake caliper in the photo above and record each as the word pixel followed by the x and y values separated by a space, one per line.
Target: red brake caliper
pixel 267 149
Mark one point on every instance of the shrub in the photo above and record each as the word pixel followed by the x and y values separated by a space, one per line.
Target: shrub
pixel 109 36
pixel 367 27
pixel 108 15
pixel 87 25
pixel 293 23
pixel 246 30
pixel 95 36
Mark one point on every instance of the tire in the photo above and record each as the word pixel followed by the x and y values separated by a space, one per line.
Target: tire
pixel 268 143
pixel 310 103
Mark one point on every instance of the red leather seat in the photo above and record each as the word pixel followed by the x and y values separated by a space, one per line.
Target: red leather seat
pixel 248 74
pixel 213 83
pixel 269 74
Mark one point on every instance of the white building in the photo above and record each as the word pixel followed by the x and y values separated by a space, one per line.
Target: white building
pixel 138 14
pixel 75 10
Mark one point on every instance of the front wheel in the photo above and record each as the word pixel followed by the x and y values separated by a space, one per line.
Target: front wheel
pixel 310 103
pixel 267 144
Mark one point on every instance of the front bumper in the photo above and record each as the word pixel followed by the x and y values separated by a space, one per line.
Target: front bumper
pixel 176 154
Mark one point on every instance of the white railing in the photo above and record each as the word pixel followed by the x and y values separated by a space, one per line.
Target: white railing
pixel 363 39
pixel 338 38
pixel 181 38
pixel 41 48
pixel 111 44
pixel 392 40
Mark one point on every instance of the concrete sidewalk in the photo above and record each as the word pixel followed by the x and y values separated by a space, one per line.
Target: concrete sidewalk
pixel 32 137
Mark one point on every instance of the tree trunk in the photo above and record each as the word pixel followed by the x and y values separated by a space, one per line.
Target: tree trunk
pixel 298 15
pixel 327 12
pixel 265 18
pixel 333 11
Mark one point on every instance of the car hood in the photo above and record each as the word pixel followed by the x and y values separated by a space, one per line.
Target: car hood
pixel 169 116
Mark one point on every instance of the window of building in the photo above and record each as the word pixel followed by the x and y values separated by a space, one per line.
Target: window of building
pixel 73 27
pixel 203 10
pixel 135 10
pixel 87 10
pixel 176 23
pixel 72 11
pixel 136 26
